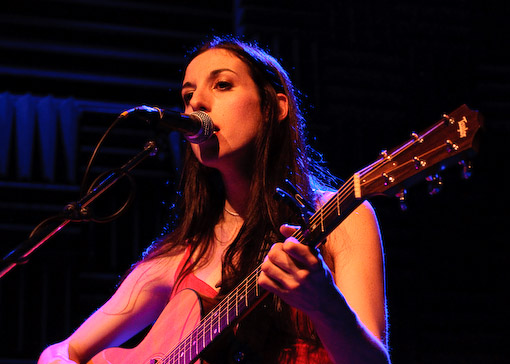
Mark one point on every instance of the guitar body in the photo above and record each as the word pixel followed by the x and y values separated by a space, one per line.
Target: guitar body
pixel 180 316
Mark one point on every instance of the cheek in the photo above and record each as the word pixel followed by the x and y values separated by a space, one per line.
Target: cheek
pixel 254 117
pixel 242 119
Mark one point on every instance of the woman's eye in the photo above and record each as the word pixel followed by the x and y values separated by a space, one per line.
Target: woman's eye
pixel 223 85
pixel 187 97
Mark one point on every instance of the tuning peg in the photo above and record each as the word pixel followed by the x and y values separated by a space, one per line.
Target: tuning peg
pixel 435 184
pixel 388 179
pixel 448 120
pixel 451 146
pixel 402 198
pixel 384 155
pixel 419 163
pixel 416 137
pixel 467 169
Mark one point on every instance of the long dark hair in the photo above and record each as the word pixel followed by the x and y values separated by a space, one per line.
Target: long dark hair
pixel 281 153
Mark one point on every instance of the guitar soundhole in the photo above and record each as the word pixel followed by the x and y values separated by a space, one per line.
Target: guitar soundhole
pixel 153 361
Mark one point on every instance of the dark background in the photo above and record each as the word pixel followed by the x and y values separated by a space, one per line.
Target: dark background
pixel 370 73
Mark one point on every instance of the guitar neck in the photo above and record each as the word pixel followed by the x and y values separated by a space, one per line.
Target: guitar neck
pixel 248 294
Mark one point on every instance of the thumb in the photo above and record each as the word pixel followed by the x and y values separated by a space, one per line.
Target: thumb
pixel 288 230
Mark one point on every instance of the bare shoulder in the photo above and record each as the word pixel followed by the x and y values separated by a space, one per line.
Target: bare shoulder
pixel 155 274
pixel 359 231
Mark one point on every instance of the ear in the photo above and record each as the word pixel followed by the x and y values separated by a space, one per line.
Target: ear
pixel 283 105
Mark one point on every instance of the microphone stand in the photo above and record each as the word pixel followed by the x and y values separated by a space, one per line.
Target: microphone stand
pixel 75 211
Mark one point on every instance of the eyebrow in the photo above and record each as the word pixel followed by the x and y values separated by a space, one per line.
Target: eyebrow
pixel 213 74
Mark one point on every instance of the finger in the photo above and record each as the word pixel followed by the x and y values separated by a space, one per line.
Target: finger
pixel 283 260
pixel 300 253
pixel 269 284
pixel 287 230
pixel 273 277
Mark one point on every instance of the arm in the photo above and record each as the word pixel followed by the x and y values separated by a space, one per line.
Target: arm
pixel 137 303
pixel 348 309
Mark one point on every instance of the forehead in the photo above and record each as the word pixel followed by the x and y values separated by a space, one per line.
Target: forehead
pixel 215 59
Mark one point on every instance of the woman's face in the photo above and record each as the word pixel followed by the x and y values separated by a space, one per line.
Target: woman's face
pixel 219 83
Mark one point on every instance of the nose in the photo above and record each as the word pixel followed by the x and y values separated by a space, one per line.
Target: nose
pixel 200 101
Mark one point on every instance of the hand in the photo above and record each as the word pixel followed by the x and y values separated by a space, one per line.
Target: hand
pixel 295 274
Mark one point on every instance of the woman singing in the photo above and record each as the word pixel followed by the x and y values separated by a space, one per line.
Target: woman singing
pixel 323 307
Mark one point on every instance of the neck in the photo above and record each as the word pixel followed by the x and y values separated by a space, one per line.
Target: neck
pixel 237 193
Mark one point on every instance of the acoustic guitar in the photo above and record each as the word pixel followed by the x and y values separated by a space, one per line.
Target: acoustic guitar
pixel 184 331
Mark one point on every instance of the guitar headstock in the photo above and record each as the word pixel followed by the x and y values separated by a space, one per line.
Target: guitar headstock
pixel 427 152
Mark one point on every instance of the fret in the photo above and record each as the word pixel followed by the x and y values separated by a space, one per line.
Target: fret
pixel 180 359
pixel 251 293
pixel 218 318
pixel 337 199
pixel 321 211
pixel 224 317
pixel 210 328
pixel 215 325
pixel 202 328
pixel 175 357
pixel 246 294
pixel 189 347
pixel 357 185
pixel 228 310
pixel 182 356
pixel 200 340
pixel 236 304
pixel 193 345
pixel 241 301
pixel 185 350
pixel 232 307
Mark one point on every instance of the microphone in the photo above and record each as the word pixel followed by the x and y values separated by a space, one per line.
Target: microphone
pixel 197 127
